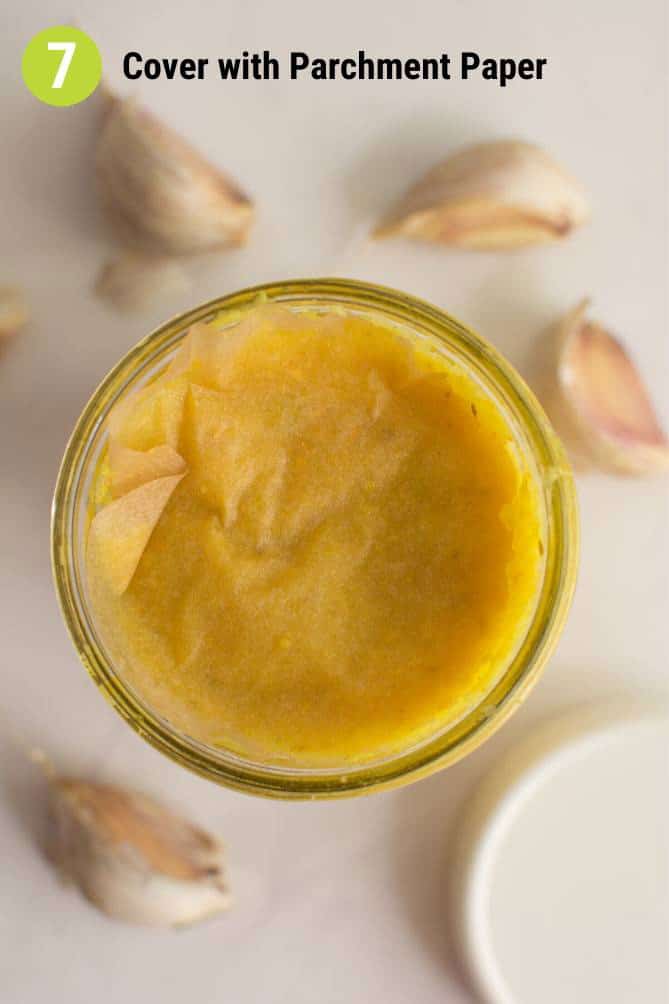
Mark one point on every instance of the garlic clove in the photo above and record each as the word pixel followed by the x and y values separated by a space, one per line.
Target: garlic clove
pixel 134 281
pixel 161 194
pixel 13 311
pixel 132 858
pixel 492 196
pixel 599 404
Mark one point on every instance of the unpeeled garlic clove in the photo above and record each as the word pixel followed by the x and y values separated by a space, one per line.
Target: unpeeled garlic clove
pixel 134 280
pixel 598 403
pixel 13 311
pixel 132 858
pixel 159 192
pixel 492 196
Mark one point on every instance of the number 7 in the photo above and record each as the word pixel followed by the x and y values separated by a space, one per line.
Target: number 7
pixel 67 48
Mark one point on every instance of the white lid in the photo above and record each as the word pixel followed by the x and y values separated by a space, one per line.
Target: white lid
pixel 565 877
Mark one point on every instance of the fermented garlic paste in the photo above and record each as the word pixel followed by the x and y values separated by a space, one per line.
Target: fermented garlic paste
pixel 313 538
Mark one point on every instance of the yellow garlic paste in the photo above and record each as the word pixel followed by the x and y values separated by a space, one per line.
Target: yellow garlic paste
pixel 313 539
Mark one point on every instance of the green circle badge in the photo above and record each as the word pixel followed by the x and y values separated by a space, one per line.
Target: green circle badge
pixel 61 66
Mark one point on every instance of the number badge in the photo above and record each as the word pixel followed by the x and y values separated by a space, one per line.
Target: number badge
pixel 61 66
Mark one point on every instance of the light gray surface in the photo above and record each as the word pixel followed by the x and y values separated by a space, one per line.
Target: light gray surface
pixel 342 902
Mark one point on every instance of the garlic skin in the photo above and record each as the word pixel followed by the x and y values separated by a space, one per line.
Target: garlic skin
pixel 159 192
pixel 598 403
pixel 13 311
pixel 492 196
pixel 132 858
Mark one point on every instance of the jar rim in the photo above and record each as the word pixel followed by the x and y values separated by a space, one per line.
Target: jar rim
pixel 400 767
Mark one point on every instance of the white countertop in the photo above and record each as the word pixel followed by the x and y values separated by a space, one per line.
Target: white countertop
pixel 343 902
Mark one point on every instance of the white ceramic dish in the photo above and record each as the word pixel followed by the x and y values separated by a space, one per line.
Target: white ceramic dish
pixel 564 886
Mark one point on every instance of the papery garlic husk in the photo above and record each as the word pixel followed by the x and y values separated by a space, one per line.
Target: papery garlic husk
pixel 134 859
pixel 493 196
pixel 159 192
pixel 597 401
pixel 134 281
pixel 13 311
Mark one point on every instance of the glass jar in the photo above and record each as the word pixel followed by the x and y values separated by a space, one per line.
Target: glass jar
pixel 539 447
